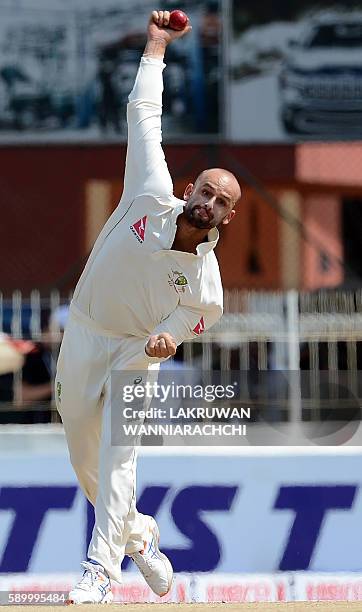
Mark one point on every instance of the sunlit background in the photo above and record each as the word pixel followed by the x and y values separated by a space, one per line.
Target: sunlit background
pixel 273 92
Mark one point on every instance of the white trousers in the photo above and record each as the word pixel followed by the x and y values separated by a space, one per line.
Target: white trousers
pixel 106 473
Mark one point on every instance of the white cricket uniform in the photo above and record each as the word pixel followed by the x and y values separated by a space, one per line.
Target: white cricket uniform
pixel 133 285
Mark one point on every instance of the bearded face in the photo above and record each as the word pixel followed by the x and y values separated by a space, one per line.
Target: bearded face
pixel 208 204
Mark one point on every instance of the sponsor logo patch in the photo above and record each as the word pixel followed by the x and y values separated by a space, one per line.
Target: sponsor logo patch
pixel 139 229
pixel 200 327
pixel 59 391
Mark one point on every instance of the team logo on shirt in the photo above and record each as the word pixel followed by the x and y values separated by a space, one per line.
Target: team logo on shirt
pixel 200 327
pixel 59 391
pixel 178 281
pixel 139 229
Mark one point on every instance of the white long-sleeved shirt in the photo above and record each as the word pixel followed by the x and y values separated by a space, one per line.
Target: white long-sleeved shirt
pixel 134 284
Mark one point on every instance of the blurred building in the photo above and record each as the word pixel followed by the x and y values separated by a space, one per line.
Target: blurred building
pixel 298 225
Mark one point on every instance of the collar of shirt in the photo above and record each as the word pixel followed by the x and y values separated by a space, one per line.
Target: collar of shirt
pixel 203 248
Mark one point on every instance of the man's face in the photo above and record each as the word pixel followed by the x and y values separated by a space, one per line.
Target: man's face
pixel 211 200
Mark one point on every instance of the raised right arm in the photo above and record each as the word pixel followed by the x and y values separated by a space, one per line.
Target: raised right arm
pixel 146 169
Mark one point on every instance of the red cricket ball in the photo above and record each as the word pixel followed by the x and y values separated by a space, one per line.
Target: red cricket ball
pixel 178 20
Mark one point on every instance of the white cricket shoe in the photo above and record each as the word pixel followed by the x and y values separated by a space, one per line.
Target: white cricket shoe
pixel 154 566
pixel 93 588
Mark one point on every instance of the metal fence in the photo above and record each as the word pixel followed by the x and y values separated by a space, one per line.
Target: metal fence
pixel 297 354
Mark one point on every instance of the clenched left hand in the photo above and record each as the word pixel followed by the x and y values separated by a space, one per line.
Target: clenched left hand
pixel 161 345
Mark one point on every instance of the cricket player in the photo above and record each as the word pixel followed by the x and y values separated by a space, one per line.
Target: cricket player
pixel 129 313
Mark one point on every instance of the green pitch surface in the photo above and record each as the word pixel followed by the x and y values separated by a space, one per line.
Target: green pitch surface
pixel 340 606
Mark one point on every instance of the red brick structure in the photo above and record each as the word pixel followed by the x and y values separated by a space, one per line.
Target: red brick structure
pixel 53 200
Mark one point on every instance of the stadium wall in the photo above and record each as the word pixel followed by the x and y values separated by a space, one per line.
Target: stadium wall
pixel 255 510
pixel 48 189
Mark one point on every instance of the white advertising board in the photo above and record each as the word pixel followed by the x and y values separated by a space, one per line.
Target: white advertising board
pixel 253 510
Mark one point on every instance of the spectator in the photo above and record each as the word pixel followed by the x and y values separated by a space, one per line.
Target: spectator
pixel 12 357
pixel 39 367
pixel 33 402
